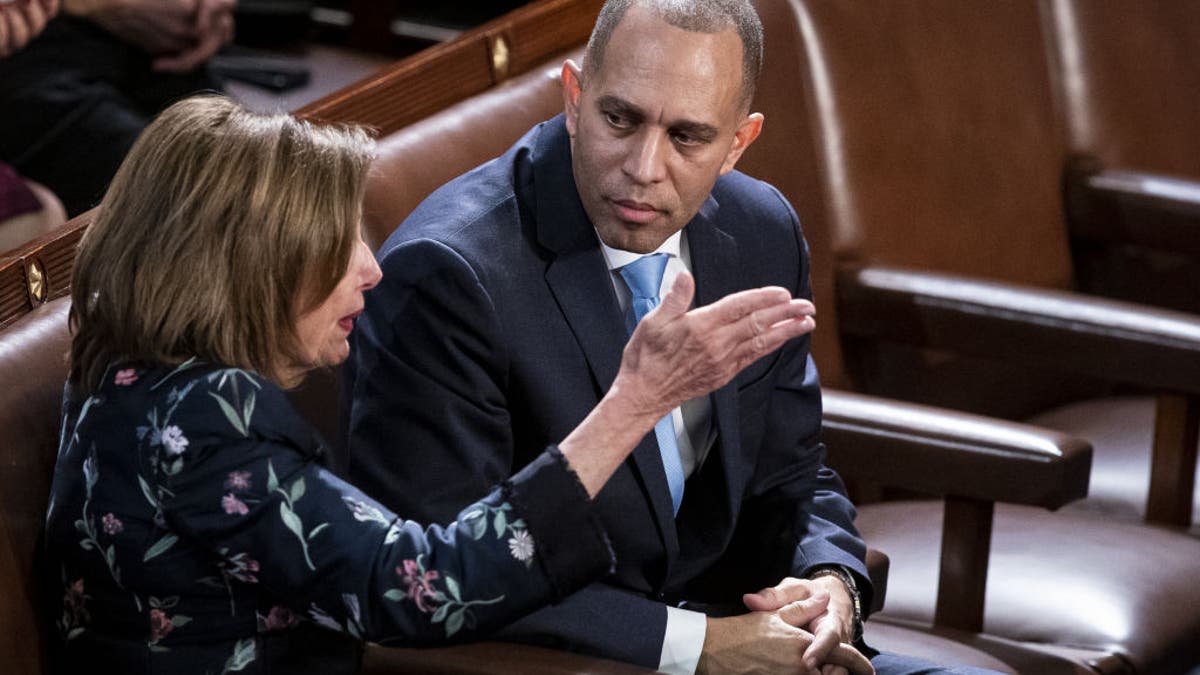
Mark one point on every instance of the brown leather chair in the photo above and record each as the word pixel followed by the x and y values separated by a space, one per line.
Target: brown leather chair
pixel 1127 77
pixel 33 368
pixel 925 138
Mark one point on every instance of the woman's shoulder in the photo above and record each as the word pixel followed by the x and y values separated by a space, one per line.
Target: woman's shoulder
pixel 197 400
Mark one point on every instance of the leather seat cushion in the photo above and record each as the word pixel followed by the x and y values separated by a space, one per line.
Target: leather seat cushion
pixel 957 648
pixel 1056 578
pixel 1121 430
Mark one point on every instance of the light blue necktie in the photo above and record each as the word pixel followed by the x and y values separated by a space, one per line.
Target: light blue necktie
pixel 644 276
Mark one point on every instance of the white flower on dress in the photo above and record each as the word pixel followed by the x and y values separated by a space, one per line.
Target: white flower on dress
pixel 173 440
pixel 521 545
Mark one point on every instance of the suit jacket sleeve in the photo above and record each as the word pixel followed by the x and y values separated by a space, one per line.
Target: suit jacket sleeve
pixel 794 513
pixel 792 466
pixel 429 367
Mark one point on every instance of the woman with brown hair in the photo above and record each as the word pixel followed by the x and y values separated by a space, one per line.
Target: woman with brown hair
pixel 191 521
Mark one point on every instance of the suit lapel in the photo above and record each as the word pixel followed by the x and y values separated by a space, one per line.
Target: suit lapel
pixel 716 265
pixel 580 282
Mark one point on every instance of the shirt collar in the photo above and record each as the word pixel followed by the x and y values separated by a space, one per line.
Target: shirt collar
pixel 616 258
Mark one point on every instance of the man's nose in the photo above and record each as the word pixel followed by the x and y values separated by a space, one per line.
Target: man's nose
pixel 646 160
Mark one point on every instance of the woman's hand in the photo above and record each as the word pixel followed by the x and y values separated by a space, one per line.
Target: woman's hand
pixel 675 355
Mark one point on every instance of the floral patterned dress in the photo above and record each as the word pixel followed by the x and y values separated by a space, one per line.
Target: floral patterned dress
pixel 195 530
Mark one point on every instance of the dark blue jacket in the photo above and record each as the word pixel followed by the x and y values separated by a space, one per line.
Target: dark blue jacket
pixel 496 329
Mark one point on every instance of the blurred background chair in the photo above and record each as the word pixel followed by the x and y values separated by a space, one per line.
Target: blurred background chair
pixel 1127 79
pixel 922 142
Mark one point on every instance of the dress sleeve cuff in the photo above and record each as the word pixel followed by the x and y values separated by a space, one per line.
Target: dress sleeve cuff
pixel 572 546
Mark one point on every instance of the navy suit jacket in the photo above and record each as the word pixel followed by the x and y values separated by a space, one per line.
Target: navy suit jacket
pixel 496 329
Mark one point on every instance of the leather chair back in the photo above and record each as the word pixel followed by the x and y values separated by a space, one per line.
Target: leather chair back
pixel 419 158
pixel 937 136
pixel 778 157
pixel 33 367
pixel 1128 74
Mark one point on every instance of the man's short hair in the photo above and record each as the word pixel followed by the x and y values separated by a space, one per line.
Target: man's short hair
pixel 699 16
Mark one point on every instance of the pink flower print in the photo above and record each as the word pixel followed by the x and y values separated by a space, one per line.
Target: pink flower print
pixel 238 481
pixel 160 625
pixel 241 567
pixel 418 585
pixel 233 505
pixel 125 377
pixel 280 618
pixel 111 524
pixel 173 440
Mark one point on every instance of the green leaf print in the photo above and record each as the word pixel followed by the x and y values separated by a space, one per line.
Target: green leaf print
pixel 291 520
pixel 161 546
pixel 297 490
pixel 243 655
pixel 452 586
pixel 230 413
pixel 455 621
pixel 147 492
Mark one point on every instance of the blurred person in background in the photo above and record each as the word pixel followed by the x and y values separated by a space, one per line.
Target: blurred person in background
pixel 77 96
pixel 27 209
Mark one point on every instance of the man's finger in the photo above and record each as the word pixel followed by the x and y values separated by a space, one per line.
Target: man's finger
pixel 801 612
pixel 773 597
pixel 825 640
pixel 851 659
pixel 766 600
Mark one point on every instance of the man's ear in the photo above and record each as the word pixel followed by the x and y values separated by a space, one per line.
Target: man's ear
pixel 572 88
pixel 746 132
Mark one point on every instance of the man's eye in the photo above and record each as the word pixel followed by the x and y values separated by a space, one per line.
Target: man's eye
pixel 685 139
pixel 616 121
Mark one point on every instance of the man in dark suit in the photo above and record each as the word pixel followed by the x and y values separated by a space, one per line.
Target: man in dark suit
pixel 507 297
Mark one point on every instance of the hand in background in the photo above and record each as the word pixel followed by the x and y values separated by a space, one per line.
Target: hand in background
pixel 182 34
pixel 21 21
pixel 214 28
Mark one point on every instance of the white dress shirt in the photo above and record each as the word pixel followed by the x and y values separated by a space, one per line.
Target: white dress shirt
pixel 694 434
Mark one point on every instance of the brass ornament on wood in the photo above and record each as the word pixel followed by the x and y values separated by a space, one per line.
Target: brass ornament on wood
pixel 500 58
pixel 35 276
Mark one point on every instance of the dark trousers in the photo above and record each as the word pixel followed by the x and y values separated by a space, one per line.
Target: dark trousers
pixel 894 664
pixel 73 102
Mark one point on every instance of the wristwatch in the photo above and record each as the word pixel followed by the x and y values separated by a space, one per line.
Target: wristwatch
pixel 847 579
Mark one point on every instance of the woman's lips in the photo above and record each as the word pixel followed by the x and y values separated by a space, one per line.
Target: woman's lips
pixel 347 322
pixel 634 212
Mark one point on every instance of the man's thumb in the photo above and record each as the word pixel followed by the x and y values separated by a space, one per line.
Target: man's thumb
pixel 801 612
